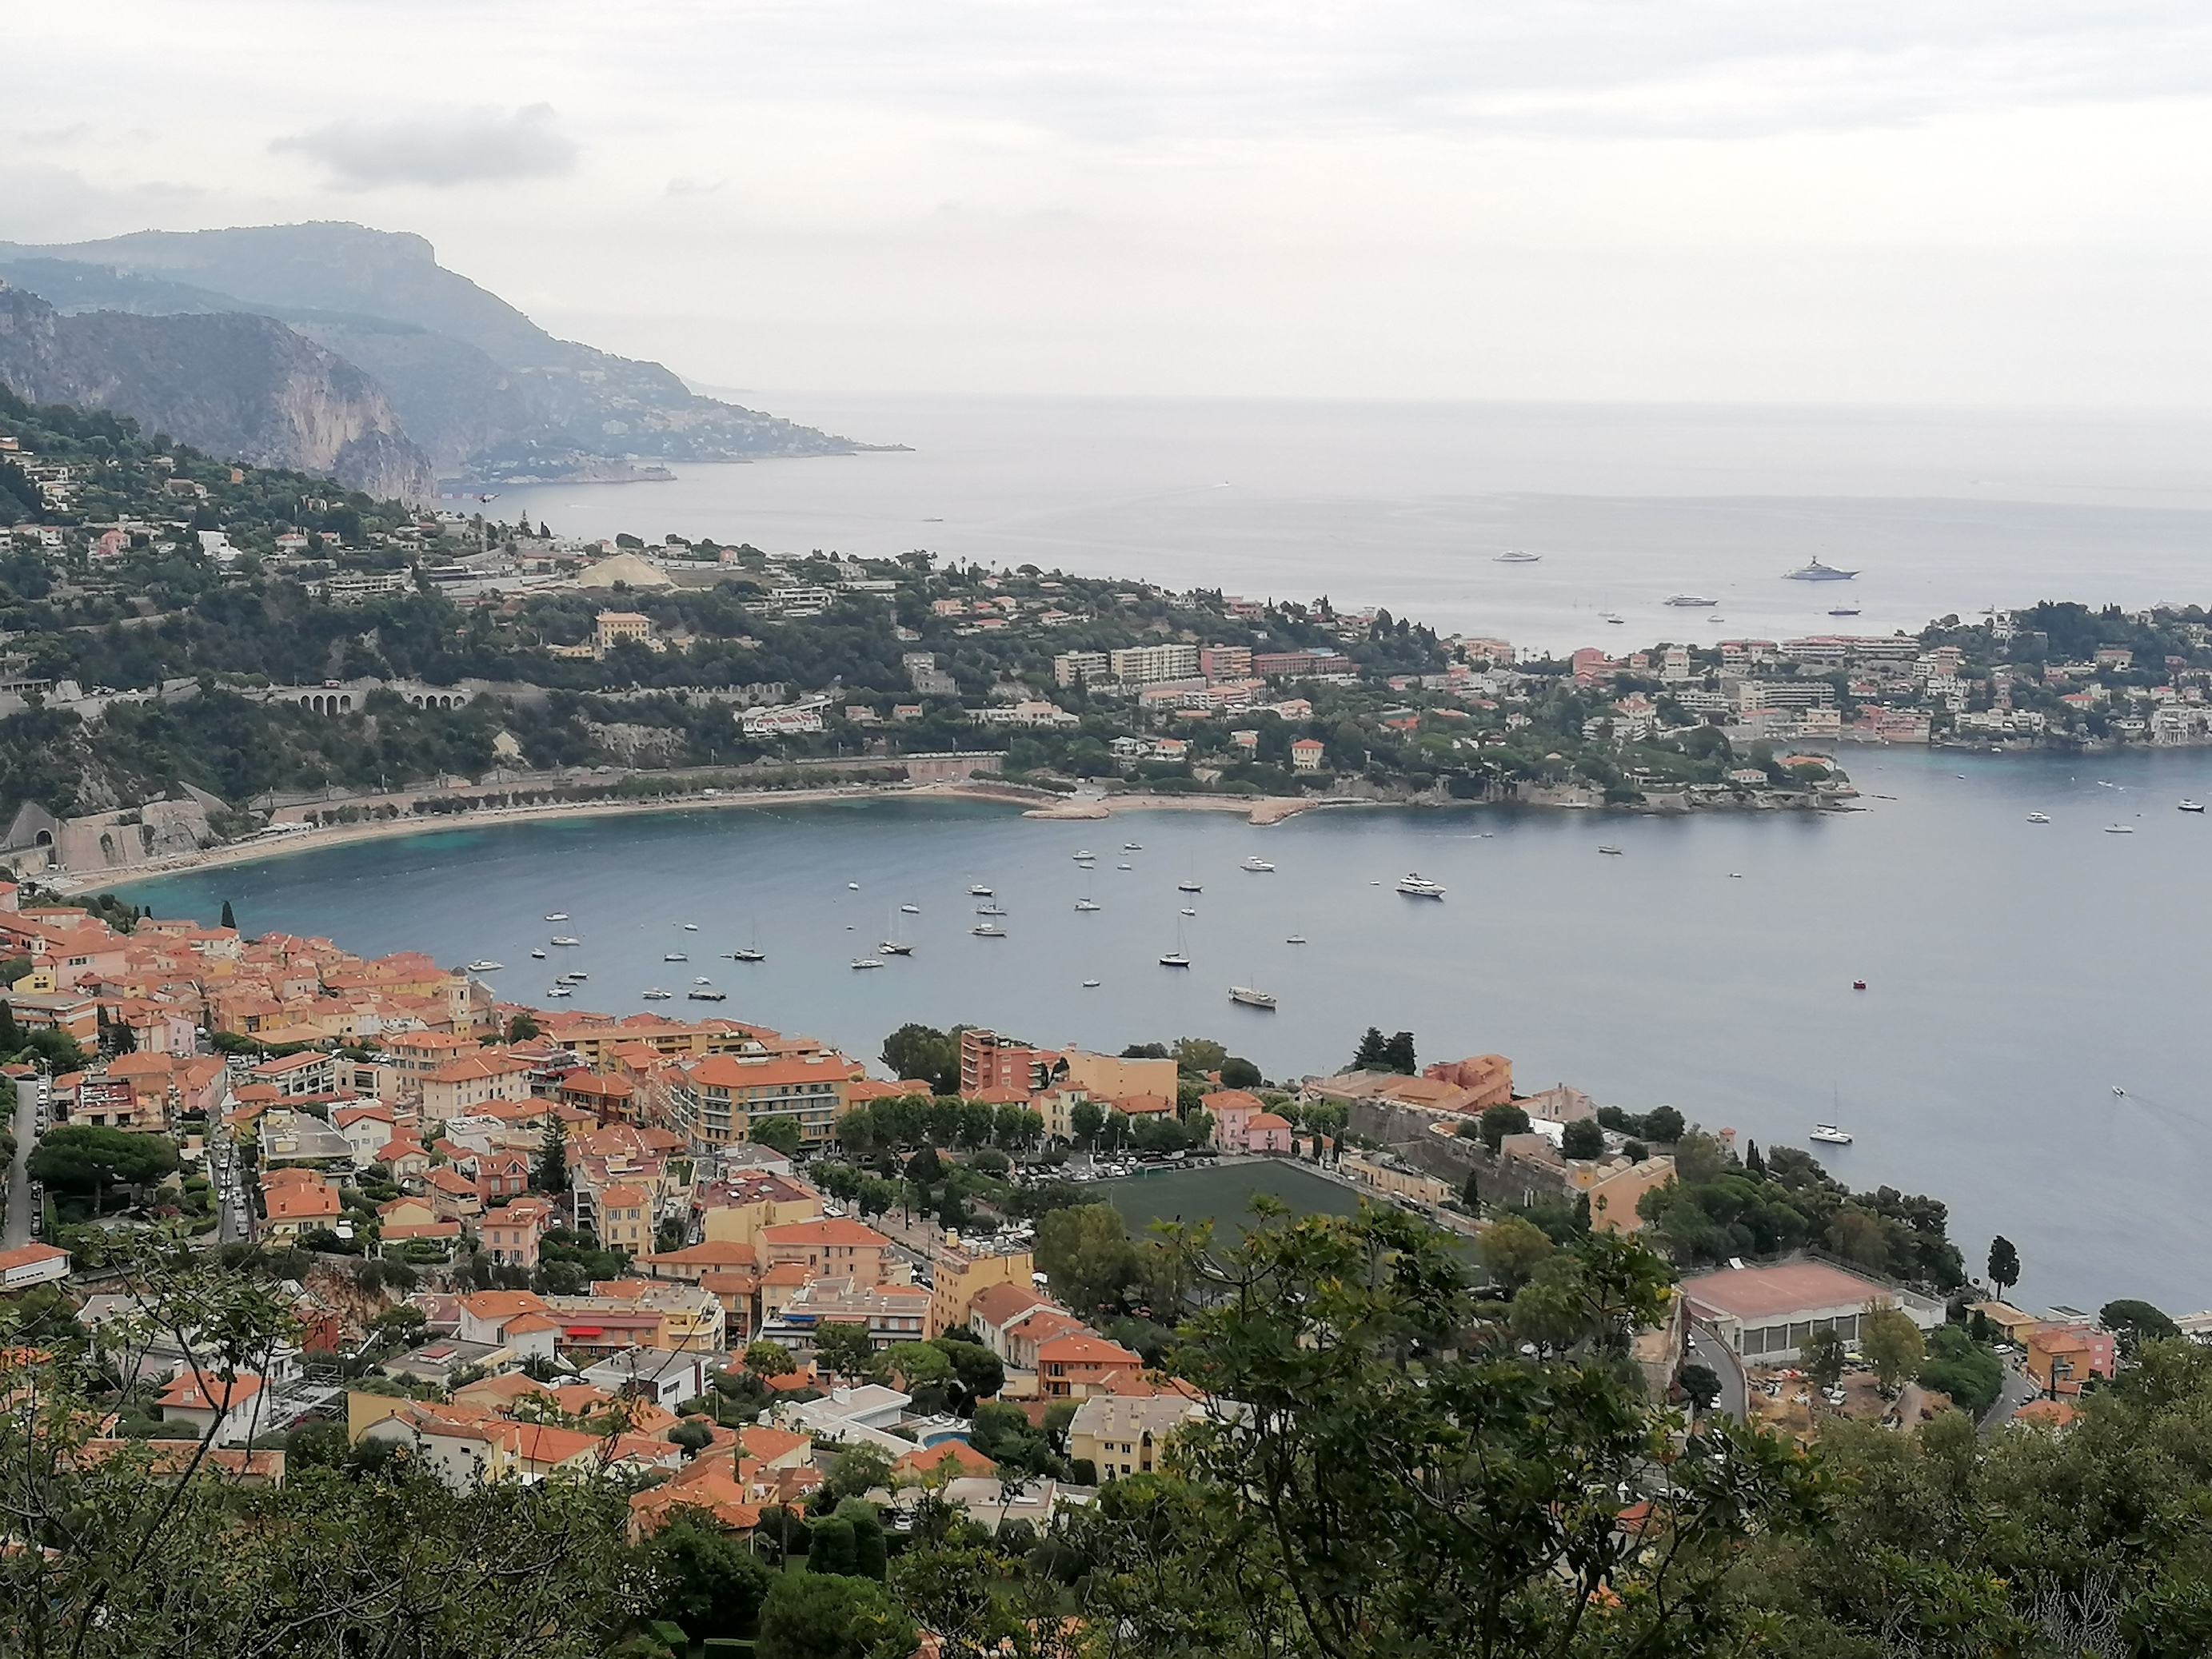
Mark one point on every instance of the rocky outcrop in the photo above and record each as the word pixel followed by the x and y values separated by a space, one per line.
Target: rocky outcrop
pixel 241 387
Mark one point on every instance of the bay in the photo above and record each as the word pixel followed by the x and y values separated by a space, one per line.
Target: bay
pixel 1407 505
pixel 2017 975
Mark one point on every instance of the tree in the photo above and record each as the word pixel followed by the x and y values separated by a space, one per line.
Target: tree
pixel 766 1359
pixel 523 1027
pixel 1582 1138
pixel 1512 1250
pixel 856 1471
pixel 1085 1119
pixel 1237 1072
pixel 926 1054
pixel 1086 1255
pixel 552 1175
pixel 1373 1053
pixel 1500 1121
pixel 1820 1356
pixel 1198 1055
pixel 1753 1164
pixel 912 1365
pixel 980 1372
pixel 925 1168
pixel 843 1345
pixel 1970 1373
pixel 1888 1337
pixel 708 1583
pixel 230 916
pixel 1398 1053
pixel 817 1615
pixel 89 1157
pixel 2134 1323
pixel 777 1133
pixel 1701 1384
pixel 870 1554
pixel 1663 1124
pixel 2005 1264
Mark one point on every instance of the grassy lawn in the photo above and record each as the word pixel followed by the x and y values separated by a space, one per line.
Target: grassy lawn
pixel 1223 1196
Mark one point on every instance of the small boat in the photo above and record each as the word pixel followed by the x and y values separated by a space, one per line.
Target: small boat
pixel 1189 887
pixel 2119 829
pixel 1416 885
pixel 1257 865
pixel 910 909
pixel 1844 610
pixel 1735 875
pixel 556 915
pixel 676 955
pixel 702 980
pixel 1858 985
pixel 1690 601
pixel 1084 857
pixel 2039 817
pixel 690 926
pixel 891 947
pixel 1252 998
pixel 563 938
pixel 1817 572
pixel 748 955
pixel 1610 616
pixel 1090 984
pixel 574 979
pixel 656 994
pixel 1174 959
pixel 707 993
pixel 994 909
pixel 2118 1093
pixel 540 955
pixel 1296 939
pixel 2192 805
pixel 1613 851
pixel 979 892
pixel 486 966
pixel 1133 846
pixel 1125 867
pixel 1829 1135
pixel 1189 911
pixel 987 930
pixel 1088 904
pixel 1515 556
pixel 867 962
pixel 561 991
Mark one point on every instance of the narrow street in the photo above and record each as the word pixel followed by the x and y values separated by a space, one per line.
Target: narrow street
pixel 29 1096
pixel 1712 1353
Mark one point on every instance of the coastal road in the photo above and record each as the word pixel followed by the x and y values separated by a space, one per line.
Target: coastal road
pixel 2019 1390
pixel 29 1096
pixel 1711 1353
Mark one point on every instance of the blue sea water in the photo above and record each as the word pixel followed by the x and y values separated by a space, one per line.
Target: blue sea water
pixel 2017 975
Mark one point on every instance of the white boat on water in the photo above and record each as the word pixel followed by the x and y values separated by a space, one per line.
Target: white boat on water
pixel 539 955
pixel 1829 1135
pixel 1610 851
pixel 676 955
pixel 1415 885
pixel 2039 817
pixel 1189 887
pixel 1817 572
pixel 690 926
pixel 749 954
pixel 1085 856
pixel 556 915
pixel 1251 998
pixel 656 994
pixel 1257 865
pixel 563 939
pixel 1090 984
pixel 1515 556
pixel 994 909
pixel 2192 805
pixel 1189 910
pixel 486 966
pixel 867 962
pixel 1088 904
pixel 2119 829
pixel 1691 601
pixel 1296 939
pixel 1844 610
pixel 979 892
pixel 892 947
pixel 1174 959
pixel 707 993
pixel 1133 846
pixel 560 991
pixel 987 930
pixel 909 909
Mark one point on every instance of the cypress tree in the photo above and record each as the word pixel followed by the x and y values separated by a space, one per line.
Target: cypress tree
pixel 229 917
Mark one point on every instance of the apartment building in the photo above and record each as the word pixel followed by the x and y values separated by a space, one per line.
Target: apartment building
pixel 1149 665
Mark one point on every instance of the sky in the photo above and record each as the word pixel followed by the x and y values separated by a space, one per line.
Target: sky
pixel 1995 203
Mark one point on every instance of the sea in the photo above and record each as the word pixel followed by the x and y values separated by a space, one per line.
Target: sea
pixel 1408 505
pixel 2030 1046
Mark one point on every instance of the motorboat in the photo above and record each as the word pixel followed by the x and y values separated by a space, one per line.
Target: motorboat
pixel 1085 857
pixel 656 994
pixel 909 909
pixel 987 930
pixel 994 909
pixel 702 980
pixel 1257 865
pixel 1251 998
pixel 1125 867
pixel 1189 911
pixel 1416 885
pixel 1691 601
pixel 1829 1135
pixel 707 993
pixel 1088 904
pixel 1608 617
pixel 748 955
pixel 690 926
pixel 1296 939
pixel 574 979
pixel 2119 829
pixel 892 947
pixel 1090 984
pixel 1844 610
pixel 539 955
pixel 979 892
pixel 486 966
pixel 1133 846
pixel 1817 572
pixel 676 955
pixel 563 938
pixel 2039 817
pixel 2192 805
pixel 561 991
pixel 1858 985
pixel 1189 887
pixel 1515 556
pixel 556 915
pixel 1611 852
pixel 867 962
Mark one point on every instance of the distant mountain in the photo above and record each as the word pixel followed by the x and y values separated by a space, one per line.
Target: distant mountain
pixel 240 386
pixel 488 394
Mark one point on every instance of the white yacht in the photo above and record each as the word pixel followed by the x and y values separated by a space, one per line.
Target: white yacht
pixel 1252 998
pixel 707 993
pixel 1174 959
pixel 994 909
pixel 563 938
pixel 1610 850
pixel 749 954
pixel 486 966
pixel 1257 865
pixel 1085 856
pixel 909 909
pixel 987 930
pixel 1817 572
pixel 1189 887
pixel 852 886
pixel 2192 805
pixel 1188 910
pixel 676 955
pixel 1416 885
pixel 2039 817
pixel 1296 939
pixel 894 947
pixel 1829 1135
pixel 2119 829
pixel 867 962
pixel 556 915
pixel 540 955
pixel 1515 556
pixel 561 991
pixel 979 892
pixel 656 994
pixel 1090 984
pixel 690 926
pixel 1133 846
pixel 1088 904
pixel 1691 601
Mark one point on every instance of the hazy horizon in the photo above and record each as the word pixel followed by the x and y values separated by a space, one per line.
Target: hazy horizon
pixel 1679 201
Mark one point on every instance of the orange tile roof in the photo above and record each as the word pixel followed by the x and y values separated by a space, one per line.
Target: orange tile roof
pixel 1081 1348
pixel 185 1393
pixel 827 1231
pixel 966 1461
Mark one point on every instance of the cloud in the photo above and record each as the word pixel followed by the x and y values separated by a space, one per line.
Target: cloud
pixel 457 147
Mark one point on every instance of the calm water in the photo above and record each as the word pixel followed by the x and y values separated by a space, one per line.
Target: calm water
pixel 2016 974
pixel 1407 505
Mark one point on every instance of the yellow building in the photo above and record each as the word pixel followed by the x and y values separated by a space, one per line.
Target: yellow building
pixel 613 627
pixel 1123 1435
pixel 961 1275
pixel 1615 1188
pixel 741 1222
pixel 1109 1076
pixel 1408 1185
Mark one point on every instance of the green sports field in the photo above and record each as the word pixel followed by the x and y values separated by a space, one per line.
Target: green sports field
pixel 1222 1195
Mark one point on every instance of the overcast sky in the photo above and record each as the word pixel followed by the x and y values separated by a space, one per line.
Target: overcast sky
pixel 1962 201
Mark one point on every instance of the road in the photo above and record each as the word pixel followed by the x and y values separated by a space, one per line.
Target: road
pixel 1711 1353
pixel 2019 1390
pixel 29 1098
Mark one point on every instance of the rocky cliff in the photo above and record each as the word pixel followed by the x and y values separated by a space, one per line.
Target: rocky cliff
pixel 236 384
